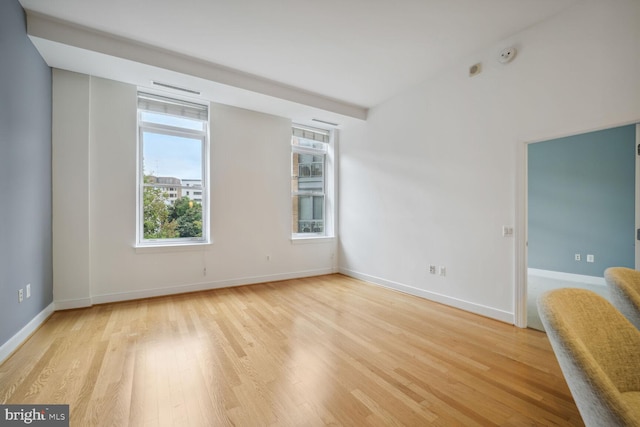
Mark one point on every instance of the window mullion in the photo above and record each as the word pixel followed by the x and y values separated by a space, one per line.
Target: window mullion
pixel 308 150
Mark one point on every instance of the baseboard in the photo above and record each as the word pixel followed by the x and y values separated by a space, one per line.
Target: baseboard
pixel 73 303
pixel 482 310
pixel 15 341
pixel 204 286
pixel 570 277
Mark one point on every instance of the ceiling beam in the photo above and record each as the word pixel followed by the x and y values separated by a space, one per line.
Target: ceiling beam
pixel 67 33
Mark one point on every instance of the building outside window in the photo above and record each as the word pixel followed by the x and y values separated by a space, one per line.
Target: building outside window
pixel 310 189
pixel 188 185
pixel 173 149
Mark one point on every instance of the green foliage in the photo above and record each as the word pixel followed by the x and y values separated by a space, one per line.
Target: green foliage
pixel 162 220
pixel 188 215
pixel 157 224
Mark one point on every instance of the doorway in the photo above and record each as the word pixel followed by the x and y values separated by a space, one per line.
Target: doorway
pixel 580 211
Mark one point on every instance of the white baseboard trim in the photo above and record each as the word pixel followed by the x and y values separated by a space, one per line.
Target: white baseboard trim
pixel 482 310
pixel 73 303
pixel 15 341
pixel 205 286
pixel 570 277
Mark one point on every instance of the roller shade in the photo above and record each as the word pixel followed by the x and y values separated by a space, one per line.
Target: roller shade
pixel 175 107
pixel 319 135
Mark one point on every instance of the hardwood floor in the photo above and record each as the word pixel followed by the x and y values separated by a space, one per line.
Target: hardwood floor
pixel 305 352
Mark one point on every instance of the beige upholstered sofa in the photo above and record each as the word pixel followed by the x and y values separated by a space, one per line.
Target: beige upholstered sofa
pixel 599 353
pixel 624 291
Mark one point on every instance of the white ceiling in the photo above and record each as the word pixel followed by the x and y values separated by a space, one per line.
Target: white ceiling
pixel 358 52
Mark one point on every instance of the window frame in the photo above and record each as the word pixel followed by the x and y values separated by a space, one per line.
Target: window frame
pixel 329 180
pixel 181 132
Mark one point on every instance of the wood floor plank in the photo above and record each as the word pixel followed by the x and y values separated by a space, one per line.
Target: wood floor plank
pixel 328 350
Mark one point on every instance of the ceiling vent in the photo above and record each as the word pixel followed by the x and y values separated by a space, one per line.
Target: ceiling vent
pixel 182 89
pixel 325 122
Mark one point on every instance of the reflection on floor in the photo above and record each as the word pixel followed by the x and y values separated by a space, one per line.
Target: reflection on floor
pixel 537 285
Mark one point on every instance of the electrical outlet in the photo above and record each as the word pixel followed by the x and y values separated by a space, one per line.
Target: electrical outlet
pixel 28 289
pixel 442 270
pixel 577 257
pixel 590 258
pixel 20 295
pixel 432 269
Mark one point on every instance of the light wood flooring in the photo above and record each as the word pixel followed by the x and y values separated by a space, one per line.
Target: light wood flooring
pixel 327 350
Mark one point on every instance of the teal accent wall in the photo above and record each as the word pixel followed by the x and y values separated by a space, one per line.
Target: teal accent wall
pixel 581 199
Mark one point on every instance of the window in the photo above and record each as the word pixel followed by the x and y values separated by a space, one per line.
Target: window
pixel 172 155
pixel 311 180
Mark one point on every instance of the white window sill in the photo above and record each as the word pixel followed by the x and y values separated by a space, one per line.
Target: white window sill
pixel 172 247
pixel 312 240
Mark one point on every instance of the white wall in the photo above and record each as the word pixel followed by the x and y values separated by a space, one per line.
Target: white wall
pixel 94 201
pixel 431 177
pixel 70 177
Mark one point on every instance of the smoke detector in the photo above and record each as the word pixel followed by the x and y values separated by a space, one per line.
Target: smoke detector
pixel 506 55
